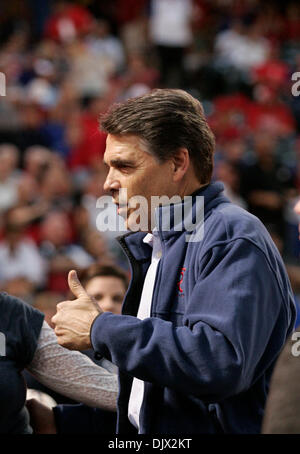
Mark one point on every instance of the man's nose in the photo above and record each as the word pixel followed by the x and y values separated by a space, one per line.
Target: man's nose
pixel 106 185
pixel 111 182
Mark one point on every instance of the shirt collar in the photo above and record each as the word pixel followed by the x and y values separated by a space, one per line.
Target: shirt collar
pixel 149 238
pixel 153 240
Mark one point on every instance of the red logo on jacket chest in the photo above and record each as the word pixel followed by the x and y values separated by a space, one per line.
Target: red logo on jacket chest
pixel 181 279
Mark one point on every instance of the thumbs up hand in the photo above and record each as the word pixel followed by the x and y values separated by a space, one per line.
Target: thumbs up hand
pixel 73 319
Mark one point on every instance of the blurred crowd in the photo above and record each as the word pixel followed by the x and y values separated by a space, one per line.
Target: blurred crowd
pixel 66 62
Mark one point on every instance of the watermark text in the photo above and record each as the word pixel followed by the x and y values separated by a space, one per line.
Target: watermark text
pixel 296 85
pixel 162 212
pixel 2 84
pixel 2 344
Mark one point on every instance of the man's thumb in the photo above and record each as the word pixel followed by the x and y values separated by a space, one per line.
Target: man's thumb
pixel 75 285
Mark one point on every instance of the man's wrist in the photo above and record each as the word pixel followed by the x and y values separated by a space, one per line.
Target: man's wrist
pixel 97 316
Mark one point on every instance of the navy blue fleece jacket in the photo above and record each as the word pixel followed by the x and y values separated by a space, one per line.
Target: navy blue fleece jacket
pixel 221 311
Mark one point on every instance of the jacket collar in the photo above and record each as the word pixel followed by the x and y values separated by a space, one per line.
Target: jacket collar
pixel 181 217
pixel 173 220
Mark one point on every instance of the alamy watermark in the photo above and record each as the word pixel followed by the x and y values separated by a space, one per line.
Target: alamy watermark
pixel 163 212
pixel 296 85
pixel 2 344
pixel 295 350
pixel 2 84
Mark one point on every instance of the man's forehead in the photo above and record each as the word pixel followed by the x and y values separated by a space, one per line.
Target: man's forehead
pixel 125 146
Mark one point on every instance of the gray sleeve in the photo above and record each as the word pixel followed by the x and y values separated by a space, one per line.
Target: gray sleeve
pixel 72 374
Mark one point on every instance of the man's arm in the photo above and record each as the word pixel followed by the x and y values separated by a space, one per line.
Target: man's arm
pixel 72 374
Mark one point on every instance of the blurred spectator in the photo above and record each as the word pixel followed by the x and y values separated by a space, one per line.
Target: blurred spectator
pixel 139 77
pixel 56 187
pixel 265 181
pixel 269 113
pixel 95 245
pixel 229 175
pixel 273 72
pixel 27 190
pixel 292 23
pixel 21 287
pixel 85 140
pixel 9 157
pixel 46 302
pixel 89 72
pixel 41 89
pixel 17 252
pixel 92 189
pixel 171 33
pixel 36 161
pixel 107 284
pixel 59 250
pixel 103 44
pixel 234 149
pixel 243 45
pixel 67 21
pixel 32 119
pixel 131 18
pixel 229 117
pixel 30 207
pixel 54 128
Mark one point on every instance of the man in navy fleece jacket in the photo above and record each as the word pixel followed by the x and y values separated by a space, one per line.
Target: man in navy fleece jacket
pixel 208 310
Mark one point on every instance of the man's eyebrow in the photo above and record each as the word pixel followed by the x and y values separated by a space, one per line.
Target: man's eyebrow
pixel 121 163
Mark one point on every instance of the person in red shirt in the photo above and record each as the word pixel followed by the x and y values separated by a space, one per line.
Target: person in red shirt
pixel 87 142
pixel 269 113
pixel 67 22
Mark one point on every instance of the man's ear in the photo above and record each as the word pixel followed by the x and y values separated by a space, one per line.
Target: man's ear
pixel 180 164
